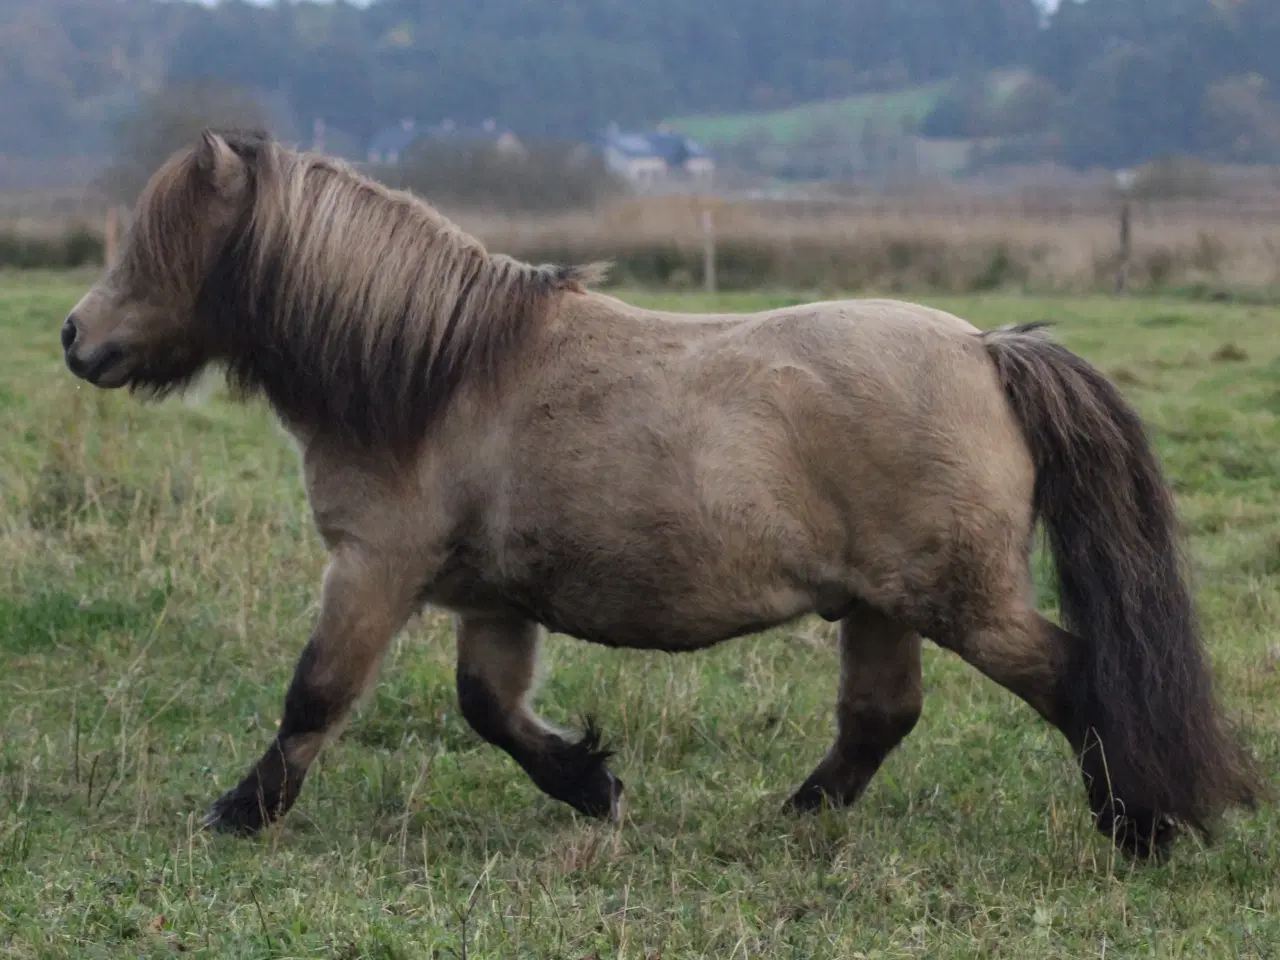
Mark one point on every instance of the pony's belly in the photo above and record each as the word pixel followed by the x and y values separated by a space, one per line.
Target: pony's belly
pixel 636 602
pixel 638 620
pixel 644 632
pixel 653 620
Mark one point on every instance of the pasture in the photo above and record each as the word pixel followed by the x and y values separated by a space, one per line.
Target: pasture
pixel 159 575
pixel 788 125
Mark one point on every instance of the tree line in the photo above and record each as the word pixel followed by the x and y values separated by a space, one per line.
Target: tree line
pixel 1116 81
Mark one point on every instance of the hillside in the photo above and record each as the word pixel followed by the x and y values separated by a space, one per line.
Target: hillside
pixel 867 133
pixel 904 108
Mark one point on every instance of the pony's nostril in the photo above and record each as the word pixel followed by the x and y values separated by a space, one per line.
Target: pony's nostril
pixel 69 332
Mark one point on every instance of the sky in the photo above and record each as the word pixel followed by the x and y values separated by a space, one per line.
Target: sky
pixel 1049 5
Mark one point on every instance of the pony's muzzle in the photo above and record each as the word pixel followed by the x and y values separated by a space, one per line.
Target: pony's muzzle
pixel 95 367
pixel 69 333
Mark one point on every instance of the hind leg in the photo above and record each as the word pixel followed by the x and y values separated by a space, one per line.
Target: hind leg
pixel 879 703
pixel 364 604
pixel 496 662
pixel 1043 665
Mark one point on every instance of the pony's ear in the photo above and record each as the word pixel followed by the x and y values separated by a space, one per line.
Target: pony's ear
pixel 217 163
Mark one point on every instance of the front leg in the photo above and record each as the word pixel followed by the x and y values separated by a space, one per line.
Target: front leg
pixel 364 604
pixel 496 662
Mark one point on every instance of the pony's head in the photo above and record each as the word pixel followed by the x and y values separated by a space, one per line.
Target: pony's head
pixel 347 304
pixel 139 325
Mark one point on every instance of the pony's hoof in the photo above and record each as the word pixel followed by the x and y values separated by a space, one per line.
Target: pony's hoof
pixel 813 796
pixel 1142 838
pixel 236 813
pixel 615 807
pixel 601 799
pixel 577 775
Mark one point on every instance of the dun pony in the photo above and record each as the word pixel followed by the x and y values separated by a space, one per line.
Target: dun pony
pixel 501 441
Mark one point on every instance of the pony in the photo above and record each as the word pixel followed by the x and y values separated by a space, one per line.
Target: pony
pixel 506 443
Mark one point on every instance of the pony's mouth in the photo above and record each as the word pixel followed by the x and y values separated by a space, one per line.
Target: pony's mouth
pixel 103 368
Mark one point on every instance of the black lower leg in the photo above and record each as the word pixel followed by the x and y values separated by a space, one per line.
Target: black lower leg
pixel 1051 674
pixel 271 788
pixel 1135 829
pixel 1071 707
pixel 574 773
pixel 879 703
pixel 842 777
pixel 262 797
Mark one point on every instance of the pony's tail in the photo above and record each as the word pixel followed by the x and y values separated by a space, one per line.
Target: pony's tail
pixel 1144 693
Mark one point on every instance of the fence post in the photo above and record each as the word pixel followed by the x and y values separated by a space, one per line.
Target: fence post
pixel 708 251
pixel 1124 179
pixel 1126 247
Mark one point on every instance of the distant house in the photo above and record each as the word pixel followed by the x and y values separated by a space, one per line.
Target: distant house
pixel 391 144
pixel 650 159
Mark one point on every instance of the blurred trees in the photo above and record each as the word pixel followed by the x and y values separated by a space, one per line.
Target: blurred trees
pixel 477 175
pixel 168 120
pixel 1147 78
pixel 557 68
pixel 1240 121
pixel 1111 81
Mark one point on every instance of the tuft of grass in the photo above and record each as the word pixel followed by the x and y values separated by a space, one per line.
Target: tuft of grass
pixel 158 577
pixel 1229 352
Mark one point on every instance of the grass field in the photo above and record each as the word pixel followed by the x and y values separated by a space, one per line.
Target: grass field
pixel 158 576
pixel 895 108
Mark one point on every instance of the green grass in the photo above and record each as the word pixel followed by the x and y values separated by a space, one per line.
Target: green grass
pixel 794 124
pixel 158 576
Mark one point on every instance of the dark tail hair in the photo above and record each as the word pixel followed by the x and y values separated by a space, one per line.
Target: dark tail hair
pixel 1146 693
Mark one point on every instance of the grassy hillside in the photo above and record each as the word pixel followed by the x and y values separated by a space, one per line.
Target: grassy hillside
pixel 899 109
pixel 793 125
pixel 813 126
pixel 158 577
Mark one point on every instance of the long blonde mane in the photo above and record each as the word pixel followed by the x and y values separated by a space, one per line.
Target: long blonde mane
pixel 363 306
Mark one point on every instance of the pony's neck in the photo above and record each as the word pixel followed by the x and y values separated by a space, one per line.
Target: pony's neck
pixel 358 310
